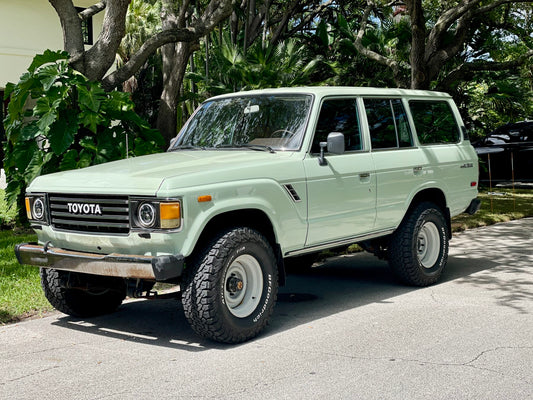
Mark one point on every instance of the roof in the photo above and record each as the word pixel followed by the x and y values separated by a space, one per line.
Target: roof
pixel 322 91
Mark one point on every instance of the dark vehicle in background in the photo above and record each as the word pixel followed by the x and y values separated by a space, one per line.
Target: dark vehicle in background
pixel 509 149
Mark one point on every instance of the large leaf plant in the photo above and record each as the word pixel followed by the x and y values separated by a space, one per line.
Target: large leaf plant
pixel 58 120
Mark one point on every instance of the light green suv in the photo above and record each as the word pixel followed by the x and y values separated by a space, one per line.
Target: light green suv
pixel 256 182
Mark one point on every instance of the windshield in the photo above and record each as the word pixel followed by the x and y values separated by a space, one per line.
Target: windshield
pixel 263 121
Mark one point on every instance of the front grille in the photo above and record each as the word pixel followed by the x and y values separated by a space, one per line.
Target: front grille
pixel 90 213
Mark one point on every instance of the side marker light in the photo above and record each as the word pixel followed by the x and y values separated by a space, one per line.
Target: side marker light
pixel 205 199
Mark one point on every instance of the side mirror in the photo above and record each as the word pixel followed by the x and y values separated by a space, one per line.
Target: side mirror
pixel 334 145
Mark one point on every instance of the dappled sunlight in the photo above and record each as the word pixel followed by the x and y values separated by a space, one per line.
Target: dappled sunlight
pixel 510 272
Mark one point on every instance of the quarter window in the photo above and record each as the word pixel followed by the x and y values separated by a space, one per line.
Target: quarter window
pixel 388 124
pixel 434 122
pixel 338 115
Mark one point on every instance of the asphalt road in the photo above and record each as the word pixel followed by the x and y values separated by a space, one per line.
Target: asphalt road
pixel 346 330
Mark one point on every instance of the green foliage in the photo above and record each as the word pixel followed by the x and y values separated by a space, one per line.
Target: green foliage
pixel 58 120
pixel 230 69
pixel 7 214
pixel 333 41
pixel 20 289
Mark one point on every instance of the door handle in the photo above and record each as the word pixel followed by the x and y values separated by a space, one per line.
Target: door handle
pixel 364 175
pixel 417 170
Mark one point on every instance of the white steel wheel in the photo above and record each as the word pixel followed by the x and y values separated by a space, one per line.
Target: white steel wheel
pixel 230 289
pixel 418 250
pixel 243 286
pixel 428 245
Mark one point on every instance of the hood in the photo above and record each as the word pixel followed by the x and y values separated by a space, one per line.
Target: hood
pixel 147 174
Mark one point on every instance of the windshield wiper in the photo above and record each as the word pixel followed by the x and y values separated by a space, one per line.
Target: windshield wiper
pixel 258 147
pixel 187 147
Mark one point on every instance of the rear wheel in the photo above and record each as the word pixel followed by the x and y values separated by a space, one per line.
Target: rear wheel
pixel 82 295
pixel 230 290
pixel 418 250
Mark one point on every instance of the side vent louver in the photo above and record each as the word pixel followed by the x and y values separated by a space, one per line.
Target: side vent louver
pixel 292 193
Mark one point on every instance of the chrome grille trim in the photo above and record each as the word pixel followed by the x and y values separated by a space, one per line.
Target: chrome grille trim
pixel 114 217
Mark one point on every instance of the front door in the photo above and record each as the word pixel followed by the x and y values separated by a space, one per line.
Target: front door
pixel 342 193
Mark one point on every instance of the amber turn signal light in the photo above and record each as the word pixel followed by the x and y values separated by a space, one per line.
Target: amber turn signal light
pixel 28 208
pixel 170 214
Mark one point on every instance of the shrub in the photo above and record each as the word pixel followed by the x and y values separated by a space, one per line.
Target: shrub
pixel 58 120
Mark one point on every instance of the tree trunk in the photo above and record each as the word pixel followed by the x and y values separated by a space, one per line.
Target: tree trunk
pixel 419 73
pixel 175 59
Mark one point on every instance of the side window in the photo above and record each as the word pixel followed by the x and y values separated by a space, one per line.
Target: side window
pixel 434 122
pixel 388 124
pixel 338 115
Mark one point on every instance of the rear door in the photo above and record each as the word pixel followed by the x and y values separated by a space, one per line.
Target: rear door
pixel 400 166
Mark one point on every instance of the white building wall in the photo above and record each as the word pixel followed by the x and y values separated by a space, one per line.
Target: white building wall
pixel 27 28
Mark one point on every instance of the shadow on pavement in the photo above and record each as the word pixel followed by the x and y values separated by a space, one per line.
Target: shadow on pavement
pixel 508 248
pixel 339 284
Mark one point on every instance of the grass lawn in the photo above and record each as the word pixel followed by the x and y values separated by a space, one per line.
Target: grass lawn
pixel 502 206
pixel 21 294
pixel 20 288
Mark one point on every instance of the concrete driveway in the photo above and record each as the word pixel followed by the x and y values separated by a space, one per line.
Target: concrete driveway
pixel 346 330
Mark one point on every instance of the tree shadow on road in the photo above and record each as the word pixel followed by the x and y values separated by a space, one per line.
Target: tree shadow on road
pixel 339 284
pixel 498 260
pixel 508 247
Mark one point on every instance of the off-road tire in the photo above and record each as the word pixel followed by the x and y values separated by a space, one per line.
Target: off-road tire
pixel 209 310
pixel 418 250
pixel 82 295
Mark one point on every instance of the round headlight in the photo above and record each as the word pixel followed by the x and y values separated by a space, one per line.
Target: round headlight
pixel 38 209
pixel 146 215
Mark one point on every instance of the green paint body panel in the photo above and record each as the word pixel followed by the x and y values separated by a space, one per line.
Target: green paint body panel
pixel 356 194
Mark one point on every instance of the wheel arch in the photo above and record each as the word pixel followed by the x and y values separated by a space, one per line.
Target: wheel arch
pixel 251 218
pixel 436 196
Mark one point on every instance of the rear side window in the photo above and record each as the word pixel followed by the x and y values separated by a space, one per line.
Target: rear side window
pixel 338 115
pixel 388 123
pixel 434 122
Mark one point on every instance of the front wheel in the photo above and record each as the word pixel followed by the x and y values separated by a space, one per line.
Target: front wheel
pixel 230 290
pixel 82 295
pixel 418 250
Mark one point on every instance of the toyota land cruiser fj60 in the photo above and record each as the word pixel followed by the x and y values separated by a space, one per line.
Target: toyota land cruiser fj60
pixel 253 182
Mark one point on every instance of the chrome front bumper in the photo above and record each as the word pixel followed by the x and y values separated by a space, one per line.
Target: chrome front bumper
pixel 160 268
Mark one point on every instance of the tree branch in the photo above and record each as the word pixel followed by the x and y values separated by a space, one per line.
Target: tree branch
pixel 492 6
pixel 72 35
pixel 283 21
pixel 93 10
pixel 436 60
pixel 367 52
pixel 152 44
pixel 182 15
pixel 447 19
pixel 467 70
pixel 216 12
pixel 310 16
pixel 100 57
